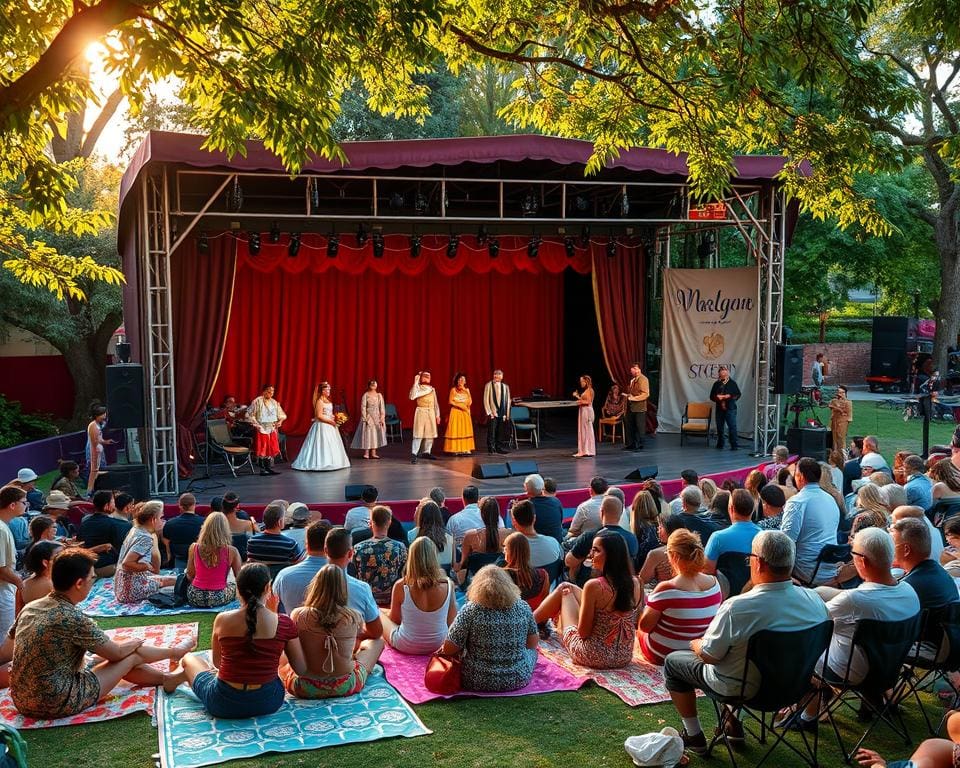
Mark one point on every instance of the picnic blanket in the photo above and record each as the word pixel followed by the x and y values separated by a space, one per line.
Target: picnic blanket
pixel 189 737
pixel 405 673
pixel 102 603
pixel 640 682
pixel 125 698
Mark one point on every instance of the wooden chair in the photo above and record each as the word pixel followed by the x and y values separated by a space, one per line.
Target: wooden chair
pixel 697 420
pixel 615 424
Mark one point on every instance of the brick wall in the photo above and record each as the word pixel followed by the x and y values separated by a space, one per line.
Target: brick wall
pixel 849 363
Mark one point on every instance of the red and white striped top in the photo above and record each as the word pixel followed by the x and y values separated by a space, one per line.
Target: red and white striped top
pixel 684 616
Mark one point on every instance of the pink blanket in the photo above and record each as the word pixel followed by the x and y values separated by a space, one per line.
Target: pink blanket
pixel 405 673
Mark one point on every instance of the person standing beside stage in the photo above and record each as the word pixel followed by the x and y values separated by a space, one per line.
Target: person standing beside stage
pixel 496 405
pixel 426 418
pixel 635 417
pixel 586 442
pixel 459 437
pixel 841 416
pixel 725 394
pixel 266 415
pixel 372 430
pixel 96 456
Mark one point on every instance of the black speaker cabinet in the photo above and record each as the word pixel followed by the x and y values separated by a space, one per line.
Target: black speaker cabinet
pixel 788 369
pixel 643 473
pixel 889 361
pixel 524 467
pixel 808 441
pixel 354 492
pixel 490 471
pixel 126 478
pixel 125 400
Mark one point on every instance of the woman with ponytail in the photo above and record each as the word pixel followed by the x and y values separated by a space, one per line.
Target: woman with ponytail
pixel 247 644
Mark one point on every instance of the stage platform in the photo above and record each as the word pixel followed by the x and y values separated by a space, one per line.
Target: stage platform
pixel 398 479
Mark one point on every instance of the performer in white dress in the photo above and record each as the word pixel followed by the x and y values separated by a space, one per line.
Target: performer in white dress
pixel 323 447
pixel 267 416
pixel 426 418
pixel 372 431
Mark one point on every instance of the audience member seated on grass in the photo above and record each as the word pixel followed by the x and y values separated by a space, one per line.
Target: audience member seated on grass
pixel 429 519
pixel 657 567
pixel 587 516
pixel 691 505
pixel 772 501
pixel 468 518
pixel 102 534
pixel 42 528
pixel 272 548
pixel 946 480
pixel 335 664
pixel 936 537
pixel 811 519
pixel 291 583
pixel 241 526
pixel 534 583
pixel 359 516
pixel 138 568
pixel 736 538
pixel 49 678
pixel 209 561
pixel 338 548
pixel 544 550
pixel 644 523
pixel 246 645
pixel 487 539
pixel 37 562
pixel 708 490
pixel 496 634
pixel 380 561
pixel 680 609
pixel 13 500
pixel 182 531
pixel 610 513
pixel 689 479
pixel 423 603
pixel 66 483
pixel 780 459
pixel 918 486
pixel 597 624
pixel 57 507
pixel 932 753
pixel 548 509
pixel 716 662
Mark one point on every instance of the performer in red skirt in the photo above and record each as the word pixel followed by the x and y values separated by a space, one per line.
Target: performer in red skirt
pixel 266 415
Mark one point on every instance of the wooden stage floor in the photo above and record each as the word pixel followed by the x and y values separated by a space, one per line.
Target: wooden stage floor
pixel 398 479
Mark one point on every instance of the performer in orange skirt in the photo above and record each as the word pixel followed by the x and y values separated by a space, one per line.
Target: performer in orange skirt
pixel 459 437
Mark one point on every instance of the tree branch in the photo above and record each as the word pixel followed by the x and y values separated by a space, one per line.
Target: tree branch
pixel 106 113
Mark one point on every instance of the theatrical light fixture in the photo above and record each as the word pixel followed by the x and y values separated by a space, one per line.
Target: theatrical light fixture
pixel 377 245
pixel 314 195
pixel 275 233
pixel 414 246
pixel 203 243
pixel 361 235
pixel 235 196
pixel 333 246
pixel 294 247
pixel 396 201
pixel 482 235
pixel 452 245
pixel 420 204
pixel 611 247
pixel 581 203
pixel 533 246
pixel 253 243
pixel 625 203
pixel 530 204
pixel 493 247
pixel 570 247
pixel 585 236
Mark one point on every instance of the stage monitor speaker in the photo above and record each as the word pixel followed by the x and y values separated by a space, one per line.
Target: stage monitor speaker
pixel 125 401
pixel 126 478
pixel 524 467
pixel 490 471
pixel 808 441
pixel 354 492
pixel 643 473
pixel 788 369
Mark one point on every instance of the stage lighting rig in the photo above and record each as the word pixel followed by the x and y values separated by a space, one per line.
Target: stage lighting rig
pixel 533 246
pixel 482 235
pixel 294 247
pixel 625 204
pixel 275 233
pixel 361 235
pixel 452 245
pixel 203 243
pixel 420 203
pixel 253 243
pixel 611 247
pixel 396 202
pixel 530 204
pixel 235 196
pixel 314 195
pixel 581 203
pixel 585 236
pixel 333 246
pixel 570 247
pixel 414 246
pixel 493 247
pixel 377 245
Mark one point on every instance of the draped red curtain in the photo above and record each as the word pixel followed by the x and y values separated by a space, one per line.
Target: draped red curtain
pixel 295 328
pixel 618 294
pixel 202 289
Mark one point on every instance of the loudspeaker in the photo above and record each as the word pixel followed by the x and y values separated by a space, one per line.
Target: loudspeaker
pixel 889 361
pixel 525 467
pixel 808 441
pixel 643 473
pixel 490 471
pixel 125 402
pixel 788 369
pixel 891 332
pixel 354 492
pixel 129 478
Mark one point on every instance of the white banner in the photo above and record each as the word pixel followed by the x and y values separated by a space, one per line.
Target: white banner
pixel 709 319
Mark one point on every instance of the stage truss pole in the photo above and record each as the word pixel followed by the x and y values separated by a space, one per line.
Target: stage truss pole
pixel 161 431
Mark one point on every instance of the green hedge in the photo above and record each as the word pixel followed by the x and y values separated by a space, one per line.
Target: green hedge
pixel 17 427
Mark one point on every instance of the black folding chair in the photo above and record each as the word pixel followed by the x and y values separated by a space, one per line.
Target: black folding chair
pixel 831 554
pixel 886 646
pixel 476 561
pixel 935 656
pixel 781 685
pixel 733 565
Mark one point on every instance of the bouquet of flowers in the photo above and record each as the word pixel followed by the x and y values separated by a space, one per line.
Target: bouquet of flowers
pixel 341 418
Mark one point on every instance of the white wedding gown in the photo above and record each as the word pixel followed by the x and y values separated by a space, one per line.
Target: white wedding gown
pixel 322 449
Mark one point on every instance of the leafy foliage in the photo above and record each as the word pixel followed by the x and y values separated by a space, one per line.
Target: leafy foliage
pixel 17 427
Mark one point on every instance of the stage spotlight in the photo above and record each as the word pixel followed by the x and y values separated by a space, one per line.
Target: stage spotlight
pixel 533 246
pixel 235 196
pixel 625 204
pixel 203 243
pixel 377 245
pixel 611 247
pixel 585 236
pixel 414 246
pixel 582 203
pixel 482 235
pixel 253 243
pixel 530 204
pixel 570 247
pixel 396 201
pixel 361 235
pixel 314 195
pixel 275 233
pixel 452 245
pixel 420 204
pixel 294 247
pixel 333 246
pixel 493 247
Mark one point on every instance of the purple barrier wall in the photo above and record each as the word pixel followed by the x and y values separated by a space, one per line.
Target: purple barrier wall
pixel 42 455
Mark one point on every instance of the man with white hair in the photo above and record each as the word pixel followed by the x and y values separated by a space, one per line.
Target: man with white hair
pixel 691 500
pixel 872 461
pixel 893 495
pixel 610 510
pixel 918 487
pixel 906 512
pixel 548 509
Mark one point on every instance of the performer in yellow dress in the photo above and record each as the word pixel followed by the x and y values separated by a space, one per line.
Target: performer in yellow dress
pixel 459 437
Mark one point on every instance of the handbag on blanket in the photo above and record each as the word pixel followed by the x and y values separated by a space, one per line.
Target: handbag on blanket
pixel 175 599
pixel 443 674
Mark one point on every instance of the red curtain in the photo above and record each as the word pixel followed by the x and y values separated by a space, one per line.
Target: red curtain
pixel 295 328
pixel 202 290
pixel 618 294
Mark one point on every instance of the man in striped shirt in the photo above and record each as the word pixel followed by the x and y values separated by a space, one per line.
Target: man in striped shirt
pixel 271 547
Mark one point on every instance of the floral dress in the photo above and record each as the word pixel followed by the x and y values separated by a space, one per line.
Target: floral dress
pixel 48 678
pixel 130 587
pixel 380 562
pixel 494 643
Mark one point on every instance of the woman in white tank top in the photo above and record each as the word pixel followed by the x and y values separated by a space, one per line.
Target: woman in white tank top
pixel 422 605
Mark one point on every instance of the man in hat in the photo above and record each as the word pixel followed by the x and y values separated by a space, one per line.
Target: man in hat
pixel 426 418
pixel 296 520
pixel 57 506
pixel 27 479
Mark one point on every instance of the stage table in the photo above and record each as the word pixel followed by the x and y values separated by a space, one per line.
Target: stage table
pixel 536 406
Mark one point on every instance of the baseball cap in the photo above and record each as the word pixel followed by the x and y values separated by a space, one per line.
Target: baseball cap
pixel 298 512
pixel 26 475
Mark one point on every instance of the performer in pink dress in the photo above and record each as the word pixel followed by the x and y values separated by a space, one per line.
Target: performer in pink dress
pixel 586 442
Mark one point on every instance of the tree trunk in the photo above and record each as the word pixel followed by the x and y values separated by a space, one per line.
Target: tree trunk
pixel 88 382
pixel 823 327
pixel 947 234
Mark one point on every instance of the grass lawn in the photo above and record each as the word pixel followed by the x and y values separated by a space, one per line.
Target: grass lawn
pixel 580 728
